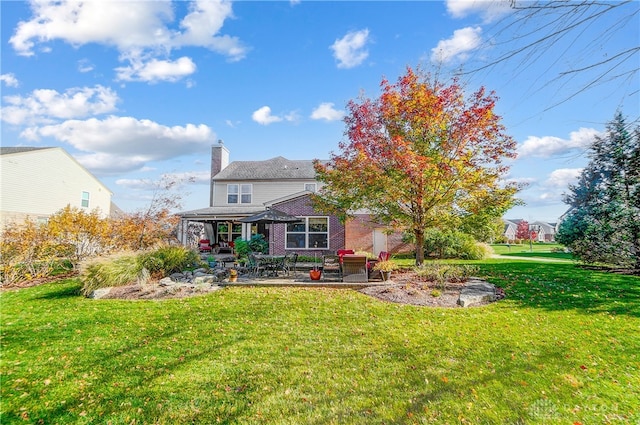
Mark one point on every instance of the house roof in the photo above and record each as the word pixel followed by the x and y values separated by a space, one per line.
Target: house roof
pixel 288 198
pixel 225 213
pixel 277 168
pixel 19 149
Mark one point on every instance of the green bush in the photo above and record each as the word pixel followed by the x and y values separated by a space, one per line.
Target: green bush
pixel 169 259
pixel 241 248
pixel 452 244
pixel 257 243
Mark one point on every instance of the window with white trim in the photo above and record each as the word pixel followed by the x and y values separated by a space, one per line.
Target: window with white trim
pixel 310 233
pixel 311 187
pixel 239 193
pixel 84 202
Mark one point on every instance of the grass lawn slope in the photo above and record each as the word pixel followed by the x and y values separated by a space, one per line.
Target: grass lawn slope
pixel 563 347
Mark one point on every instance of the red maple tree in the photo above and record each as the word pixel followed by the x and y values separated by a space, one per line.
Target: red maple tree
pixel 421 155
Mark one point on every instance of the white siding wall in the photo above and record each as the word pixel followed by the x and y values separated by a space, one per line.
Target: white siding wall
pixel 39 183
pixel 263 191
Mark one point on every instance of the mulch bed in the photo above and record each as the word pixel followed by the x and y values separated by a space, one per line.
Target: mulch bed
pixel 408 288
pixel 404 288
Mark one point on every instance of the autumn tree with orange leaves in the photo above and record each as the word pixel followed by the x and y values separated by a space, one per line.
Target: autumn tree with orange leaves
pixel 422 155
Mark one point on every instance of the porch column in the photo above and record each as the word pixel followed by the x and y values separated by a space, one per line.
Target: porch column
pixel 246 231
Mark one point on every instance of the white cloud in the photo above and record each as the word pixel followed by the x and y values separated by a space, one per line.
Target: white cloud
pixel 326 111
pixel 547 146
pixel 350 50
pixel 45 105
pixel 121 24
pixel 9 80
pixel 139 30
pixel 124 143
pixel 197 177
pixel 156 70
pixel 85 65
pixel 490 10
pixel 563 177
pixel 263 116
pixel 458 46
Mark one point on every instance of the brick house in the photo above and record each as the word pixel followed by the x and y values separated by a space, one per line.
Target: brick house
pixel 241 189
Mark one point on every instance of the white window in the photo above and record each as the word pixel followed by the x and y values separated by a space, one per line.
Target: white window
pixel 310 233
pixel 311 187
pixel 239 193
pixel 84 202
pixel 232 194
pixel 245 193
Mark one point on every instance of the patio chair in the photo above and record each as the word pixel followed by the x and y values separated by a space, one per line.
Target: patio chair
pixel 330 264
pixel 290 262
pixel 342 252
pixel 254 266
pixel 383 256
pixel 354 269
pixel 204 245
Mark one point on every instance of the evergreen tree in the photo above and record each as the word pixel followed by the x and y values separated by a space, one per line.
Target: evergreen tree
pixel 603 224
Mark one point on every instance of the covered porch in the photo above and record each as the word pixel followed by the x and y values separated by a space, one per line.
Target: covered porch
pixel 221 227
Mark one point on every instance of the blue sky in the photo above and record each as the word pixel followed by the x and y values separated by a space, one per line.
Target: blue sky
pixel 136 90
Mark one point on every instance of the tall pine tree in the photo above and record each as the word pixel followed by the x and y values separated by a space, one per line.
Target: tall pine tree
pixel 603 223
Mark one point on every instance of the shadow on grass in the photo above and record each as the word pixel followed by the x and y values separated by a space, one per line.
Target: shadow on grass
pixel 68 288
pixel 545 255
pixel 560 286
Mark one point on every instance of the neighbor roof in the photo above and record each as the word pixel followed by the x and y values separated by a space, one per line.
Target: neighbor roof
pixel 18 149
pixel 271 169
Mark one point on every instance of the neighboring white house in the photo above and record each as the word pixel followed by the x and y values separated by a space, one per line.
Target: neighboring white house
pixel 37 182
pixel 545 232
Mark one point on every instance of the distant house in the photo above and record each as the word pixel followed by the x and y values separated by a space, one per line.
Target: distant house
pixel 37 182
pixel 240 189
pixel 545 232
pixel 510 230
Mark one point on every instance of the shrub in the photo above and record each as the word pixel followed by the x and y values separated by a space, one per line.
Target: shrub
pixel 169 259
pixel 452 244
pixel 257 243
pixel 114 270
pixel 443 272
pixel 385 266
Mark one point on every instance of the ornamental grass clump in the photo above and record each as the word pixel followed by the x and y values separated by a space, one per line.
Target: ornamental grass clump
pixel 385 266
pixel 114 270
pixel 129 268
pixel 170 259
pixel 441 273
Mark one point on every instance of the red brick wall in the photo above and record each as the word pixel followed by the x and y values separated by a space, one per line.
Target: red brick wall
pixel 302 207
pixel 359 235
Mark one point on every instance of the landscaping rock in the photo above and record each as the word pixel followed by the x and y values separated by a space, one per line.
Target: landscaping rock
pixel 202 279
pixel 99 293
pixel 475 292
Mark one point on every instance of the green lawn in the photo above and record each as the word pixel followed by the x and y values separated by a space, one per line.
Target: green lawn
pixel 563 348
pixel 536 250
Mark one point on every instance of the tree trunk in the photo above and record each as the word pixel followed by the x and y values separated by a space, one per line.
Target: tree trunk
pixel 419 234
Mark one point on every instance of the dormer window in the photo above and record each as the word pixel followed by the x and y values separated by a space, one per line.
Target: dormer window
pixel 239 193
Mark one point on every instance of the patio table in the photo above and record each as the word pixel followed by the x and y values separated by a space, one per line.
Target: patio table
pixel 272 263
